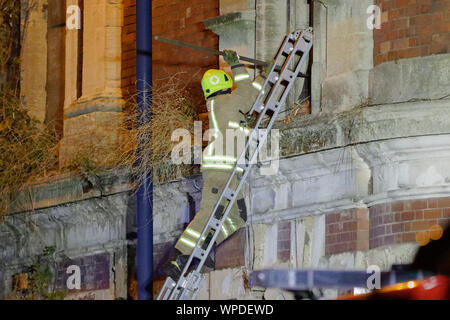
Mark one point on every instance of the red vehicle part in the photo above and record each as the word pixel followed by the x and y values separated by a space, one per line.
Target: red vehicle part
pixel 433 288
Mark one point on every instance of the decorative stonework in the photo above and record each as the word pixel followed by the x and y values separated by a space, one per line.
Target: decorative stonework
pixel 236 31
pixel 93 122
pixel 34 59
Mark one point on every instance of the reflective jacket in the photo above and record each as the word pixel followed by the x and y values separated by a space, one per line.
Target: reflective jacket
pixel 227 111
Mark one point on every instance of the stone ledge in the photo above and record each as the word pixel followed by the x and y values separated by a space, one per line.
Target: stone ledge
pixel 219 24
pixel 69 188
pixel 103 103
pixel 366 124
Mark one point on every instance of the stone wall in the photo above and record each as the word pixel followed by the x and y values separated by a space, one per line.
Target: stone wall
pixel 343 55
pixel 92 227
pixel 314 213
pixel 318 214
pixel 256 29
pixel 90 233
pixel 357 181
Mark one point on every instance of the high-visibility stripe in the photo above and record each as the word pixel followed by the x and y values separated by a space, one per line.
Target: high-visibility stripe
pixel 220 167
pixel 241 77
pixel 176 265
pixel 217 166
pixel 187 242
pixel 210 148
pixel 220 159
pixel 235 125
pixel 246 131
pixel 257 86
pixel 231 224
pixel 194 233
pixel 225 231
pixel 210 159
pixel 214 120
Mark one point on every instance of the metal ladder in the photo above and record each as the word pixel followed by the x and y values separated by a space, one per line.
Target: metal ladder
pixel 291 57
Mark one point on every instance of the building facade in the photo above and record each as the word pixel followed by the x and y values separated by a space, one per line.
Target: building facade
pixel 361 177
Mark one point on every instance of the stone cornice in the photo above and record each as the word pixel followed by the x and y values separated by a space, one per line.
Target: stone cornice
pixel 363 125
pixel 378 172
pixel 69 188
pixel 100 103
pixel 305 211
pixel 219 24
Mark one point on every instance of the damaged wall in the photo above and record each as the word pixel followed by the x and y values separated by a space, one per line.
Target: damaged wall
pixel 92 227
pixel 358 179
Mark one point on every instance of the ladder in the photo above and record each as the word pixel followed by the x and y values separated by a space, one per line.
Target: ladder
pixel 291 57
pixel 308 279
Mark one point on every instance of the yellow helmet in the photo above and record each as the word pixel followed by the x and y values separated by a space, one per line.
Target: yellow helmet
pixel 214 81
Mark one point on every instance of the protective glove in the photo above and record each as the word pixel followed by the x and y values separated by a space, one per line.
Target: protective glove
pixel 231 57
pixel 266 70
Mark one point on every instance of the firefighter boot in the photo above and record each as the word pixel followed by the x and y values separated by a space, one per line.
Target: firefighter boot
pixel 173 267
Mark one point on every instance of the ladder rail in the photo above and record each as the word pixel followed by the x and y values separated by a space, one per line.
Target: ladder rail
pixel 259 135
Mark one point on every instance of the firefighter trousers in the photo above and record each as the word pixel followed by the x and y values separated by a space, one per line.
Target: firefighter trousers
pixel 214 182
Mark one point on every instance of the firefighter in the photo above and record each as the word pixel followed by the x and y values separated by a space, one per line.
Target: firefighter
pixel 227 110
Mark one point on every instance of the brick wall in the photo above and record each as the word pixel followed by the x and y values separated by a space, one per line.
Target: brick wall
pixel 347 231
pixel 183 20
pixel 176 19
pixel 412 28
pixel 231 253
pixel 284 241
pixel 401 221
pixel 384 224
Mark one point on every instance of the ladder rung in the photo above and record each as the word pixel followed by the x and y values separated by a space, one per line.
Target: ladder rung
pixel 259 107
pixel 259 134
pixel 214 223
pixel 230 194
pixel 303 46
pixel 288 47
pixel 273 77
pixel 243 166
pixel 274 107
pixel 308 35
pixel 255 137
pixel 289 75
pixel 199 253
